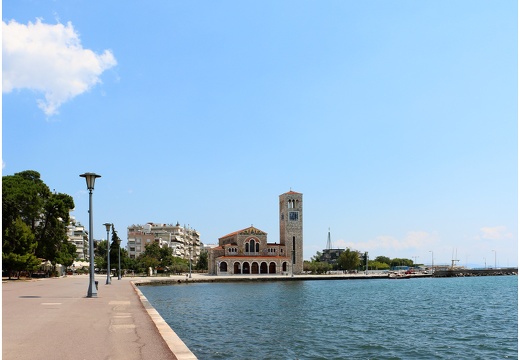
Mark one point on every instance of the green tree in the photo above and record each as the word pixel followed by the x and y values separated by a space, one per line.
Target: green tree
pixel 18 248
pixel 317 267
pixel 155 256
pixel 316 257
pixel 377 265
pixel 26 197
pixel 100 255
pixel 51 231
pixel 202 264
pixel 179 266
pixel 383 259
pixel 349 260
pixel 23 195
pixel 401 262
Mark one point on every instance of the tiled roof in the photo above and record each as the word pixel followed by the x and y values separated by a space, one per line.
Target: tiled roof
pixel 292 192
pixel 249 230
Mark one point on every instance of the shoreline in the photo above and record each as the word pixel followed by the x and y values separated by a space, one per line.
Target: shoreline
pixel 205 278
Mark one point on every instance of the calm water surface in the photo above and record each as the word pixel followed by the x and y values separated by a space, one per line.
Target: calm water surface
pixel 448 318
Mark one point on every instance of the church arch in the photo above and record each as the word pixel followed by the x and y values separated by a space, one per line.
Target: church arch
pixel 272 268
pixel 254 268
pixel 236 268
pixel 284 266
pixel 263 268
pixel 223 266
pixel 245 268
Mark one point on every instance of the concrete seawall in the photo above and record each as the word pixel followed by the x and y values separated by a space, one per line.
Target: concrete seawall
pixel 203 278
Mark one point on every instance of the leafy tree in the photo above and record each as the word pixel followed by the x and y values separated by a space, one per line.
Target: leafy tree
pixel 66 254
pixel 316 267
pixel 155 256
pixel 18 248
pixel 377 265
pixel 100 252
pixel 179 266
pixel 401 262
pixel 383 259
pixel 316 257
pixel 23 195
pixel 51 231
pixel 26 197
pixel 202 264
pixel 349 260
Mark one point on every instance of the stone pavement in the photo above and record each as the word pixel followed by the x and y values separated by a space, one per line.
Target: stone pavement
pixel 53 319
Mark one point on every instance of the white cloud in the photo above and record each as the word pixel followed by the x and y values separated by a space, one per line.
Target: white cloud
pixel 49 59
pixel 494 233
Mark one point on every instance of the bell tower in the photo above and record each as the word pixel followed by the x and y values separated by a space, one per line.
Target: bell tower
pixel 291 228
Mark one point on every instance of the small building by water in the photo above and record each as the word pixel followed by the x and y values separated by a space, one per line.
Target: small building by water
pixel 248 251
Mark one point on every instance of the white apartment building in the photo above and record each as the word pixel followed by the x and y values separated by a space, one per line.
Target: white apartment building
pixel 184 240
pixel 77 235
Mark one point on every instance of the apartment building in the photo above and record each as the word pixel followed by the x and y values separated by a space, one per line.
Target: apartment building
pixel 184 240
pixel 77 235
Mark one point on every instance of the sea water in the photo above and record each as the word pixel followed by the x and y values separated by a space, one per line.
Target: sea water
pixel 427 318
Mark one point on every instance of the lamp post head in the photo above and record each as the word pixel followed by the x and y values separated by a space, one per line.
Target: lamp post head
pixel 91 179
pixel 107 226
pixel 118 241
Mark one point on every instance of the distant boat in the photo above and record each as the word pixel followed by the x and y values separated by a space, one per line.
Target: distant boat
pixel 398 275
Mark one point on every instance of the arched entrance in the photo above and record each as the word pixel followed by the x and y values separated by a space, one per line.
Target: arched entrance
pixel 236 268
pixel 245 268
pixel 284 266
pixel 272 268
pixel 223 266
pixel 263 268
pixel 254 268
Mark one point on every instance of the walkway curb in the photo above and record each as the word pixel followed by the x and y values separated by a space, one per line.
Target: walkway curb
pixel 176 345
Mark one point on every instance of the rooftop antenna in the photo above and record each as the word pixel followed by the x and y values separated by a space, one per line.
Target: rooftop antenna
pixel 329 245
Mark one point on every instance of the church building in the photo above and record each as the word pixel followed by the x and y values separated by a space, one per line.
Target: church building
pixel 247 251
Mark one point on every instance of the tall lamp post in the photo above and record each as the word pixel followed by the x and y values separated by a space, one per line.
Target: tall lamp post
pixel 292 263
pixel 91 179
pixel 107 225
pixel 190 262
pixel 118 240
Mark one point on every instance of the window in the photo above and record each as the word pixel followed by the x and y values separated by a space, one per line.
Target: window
pixel 293 215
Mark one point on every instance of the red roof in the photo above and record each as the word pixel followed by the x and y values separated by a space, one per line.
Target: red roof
pixel 292 192
pixel 239 231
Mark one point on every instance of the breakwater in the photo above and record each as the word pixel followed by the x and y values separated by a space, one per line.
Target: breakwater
pixel 475 272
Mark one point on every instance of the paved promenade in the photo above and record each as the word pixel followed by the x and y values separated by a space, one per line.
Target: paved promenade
pixel 53 319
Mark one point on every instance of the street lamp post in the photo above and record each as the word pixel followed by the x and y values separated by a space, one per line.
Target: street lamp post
pixel 118 240
pixel 190 262
pixel 91 179
pixel 292 263
pixel 107 225
pixel 432 260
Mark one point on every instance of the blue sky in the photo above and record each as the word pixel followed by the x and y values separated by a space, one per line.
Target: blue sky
pixel 397 120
